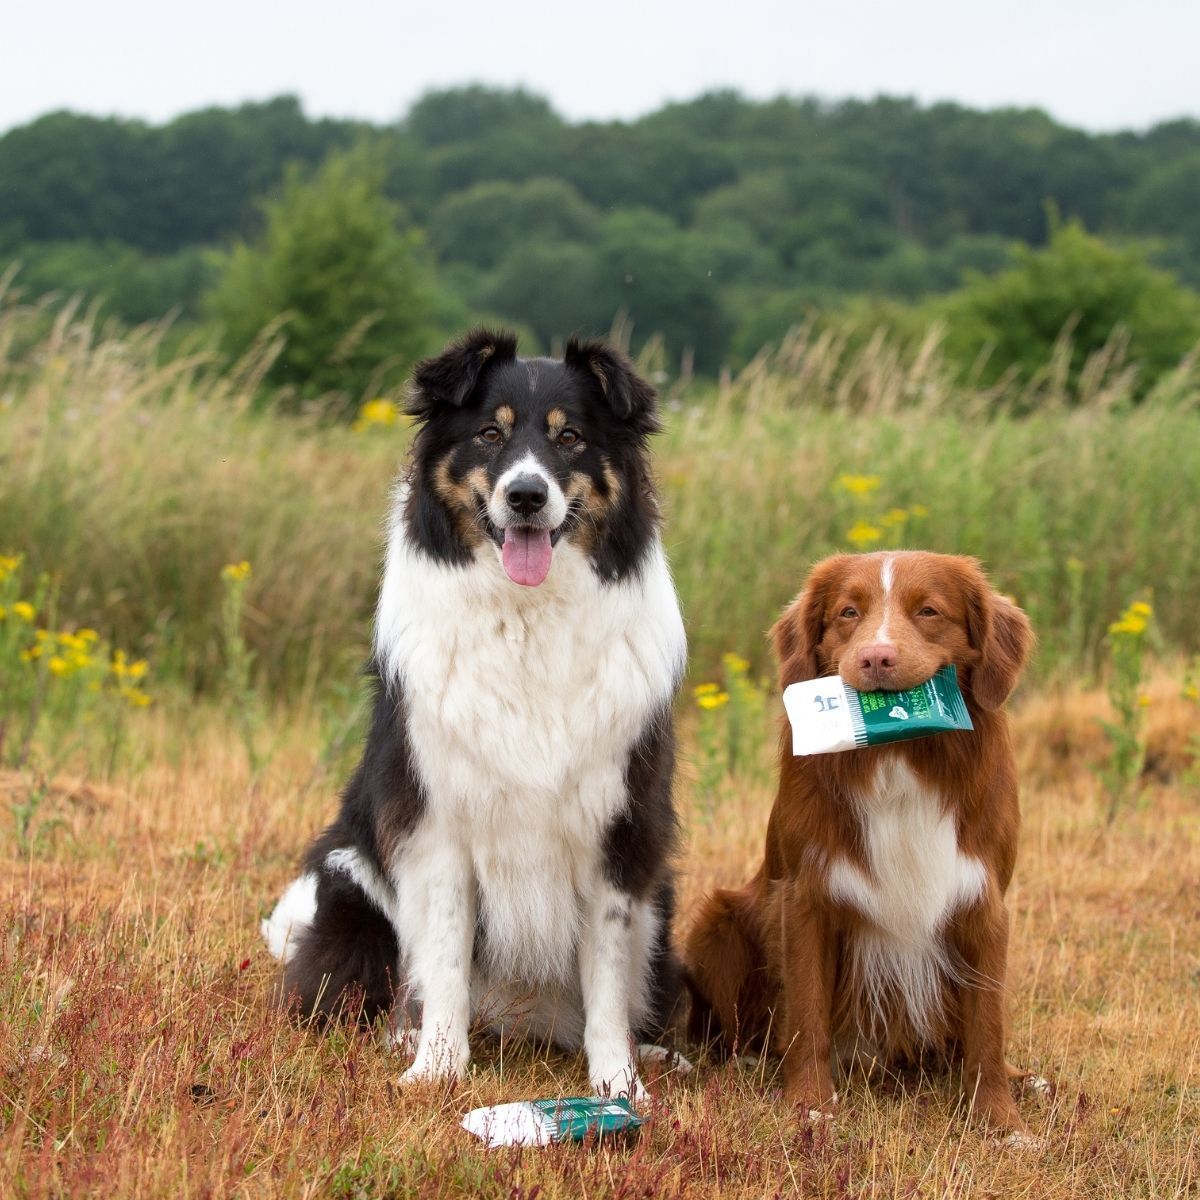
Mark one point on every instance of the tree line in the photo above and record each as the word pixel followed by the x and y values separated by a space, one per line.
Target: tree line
pixel 715 223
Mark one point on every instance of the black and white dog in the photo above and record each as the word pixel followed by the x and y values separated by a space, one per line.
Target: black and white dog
pixel 502 852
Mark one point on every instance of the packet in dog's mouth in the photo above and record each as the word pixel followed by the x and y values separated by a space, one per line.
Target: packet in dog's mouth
pixel 541 1122
pixel 828 715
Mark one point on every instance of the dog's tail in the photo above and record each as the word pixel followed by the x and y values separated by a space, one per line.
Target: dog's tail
pixel 725 971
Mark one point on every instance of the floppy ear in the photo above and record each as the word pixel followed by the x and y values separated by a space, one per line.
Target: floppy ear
pixel 800 628
pixel 451 377
pixel 629 396
pixel 1001 633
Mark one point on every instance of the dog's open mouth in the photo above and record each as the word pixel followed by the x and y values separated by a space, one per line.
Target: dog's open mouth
pixel 526 552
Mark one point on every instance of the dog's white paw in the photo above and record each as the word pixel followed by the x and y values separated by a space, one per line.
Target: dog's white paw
pixel 1037 1084
pixel 1021 1140
pixel 671 1059
pixel 400 1040
pixel 438 1062
pixel 620 1082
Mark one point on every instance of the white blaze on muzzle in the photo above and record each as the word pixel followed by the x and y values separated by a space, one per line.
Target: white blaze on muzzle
pixel 527 505
pixel 883 635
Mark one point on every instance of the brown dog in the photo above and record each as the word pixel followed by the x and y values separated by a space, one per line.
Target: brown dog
pixel 877 921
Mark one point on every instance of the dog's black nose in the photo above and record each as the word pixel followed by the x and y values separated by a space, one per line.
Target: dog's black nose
pixel 527 494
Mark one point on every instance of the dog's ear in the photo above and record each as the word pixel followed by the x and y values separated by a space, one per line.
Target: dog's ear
pixel 799 631
pixel 450 378
pixel 629 396
pixel 1002 635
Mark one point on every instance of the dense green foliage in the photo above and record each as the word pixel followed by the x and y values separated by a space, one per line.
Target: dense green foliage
pixel 349 290
pixel 1095 294
pixel 718 223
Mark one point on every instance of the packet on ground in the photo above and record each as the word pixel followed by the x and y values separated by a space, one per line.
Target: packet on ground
pixel 828 715
pixel 540 1122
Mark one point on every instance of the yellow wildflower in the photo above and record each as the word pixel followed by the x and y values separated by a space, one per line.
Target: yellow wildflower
pixel 1144 701
pixel 136 697
pixel 24 610
pixel 1128 624
pixel 88 636
pixel 59 667
pixel 919 510
pixel 236 572
pixel 894 518
pixel 861 533
pixel 705 689
pixel 735 663
pixel 3 612
pixel 713 700
pixel 1139 608
pixel 8 564
pixel 858 485
pixel 137 669
pixel 1191 692
pixel 375 412
pixel 32 653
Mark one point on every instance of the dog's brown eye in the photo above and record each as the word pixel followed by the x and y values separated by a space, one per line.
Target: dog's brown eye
pixel 928 611
pixel 849 612
pixel 569 437
pixel 490 434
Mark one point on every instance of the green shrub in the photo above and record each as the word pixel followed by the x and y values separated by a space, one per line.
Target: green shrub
pixel 1078 292
pixel 348 289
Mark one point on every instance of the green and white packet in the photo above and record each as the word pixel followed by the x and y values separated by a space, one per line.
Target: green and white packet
pixel 828 715
pixel 541 1122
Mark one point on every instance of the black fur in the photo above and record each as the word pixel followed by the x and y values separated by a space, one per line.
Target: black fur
pixel 637 858
pixel 639 842
pixel 345 963
pixel 666 973
pixel 351 947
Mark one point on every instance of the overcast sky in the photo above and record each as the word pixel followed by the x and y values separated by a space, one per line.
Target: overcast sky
pixel 1100 64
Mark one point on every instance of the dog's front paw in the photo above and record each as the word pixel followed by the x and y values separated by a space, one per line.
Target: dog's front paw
pixel 671 1060
pixel 396 1039
pixel 620 1082
pixel 437 1061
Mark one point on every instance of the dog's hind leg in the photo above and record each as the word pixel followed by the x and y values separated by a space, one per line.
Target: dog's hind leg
pixel 725 972
pixel 343 963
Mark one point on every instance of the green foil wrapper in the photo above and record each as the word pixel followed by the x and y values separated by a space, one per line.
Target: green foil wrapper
pixel 828 715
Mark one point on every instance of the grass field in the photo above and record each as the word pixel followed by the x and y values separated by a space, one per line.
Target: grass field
pixel 141 1056
pixel 141 842
pixel 133 480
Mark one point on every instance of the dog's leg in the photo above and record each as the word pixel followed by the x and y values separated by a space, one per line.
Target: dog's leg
pixel 807 968
pixel 725 974
pixel 436 907
pixel 983 945
pixel 605 964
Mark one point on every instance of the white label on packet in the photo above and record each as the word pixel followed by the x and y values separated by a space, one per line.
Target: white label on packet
pixel 825 716
pixel 518 1124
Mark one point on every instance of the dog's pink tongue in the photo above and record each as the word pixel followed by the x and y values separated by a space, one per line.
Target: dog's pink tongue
pixel 527 554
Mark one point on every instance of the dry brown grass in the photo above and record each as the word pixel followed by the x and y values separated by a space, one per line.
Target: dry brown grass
pixel 140 1055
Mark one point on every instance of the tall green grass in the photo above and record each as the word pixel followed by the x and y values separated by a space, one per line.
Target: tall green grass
pixel 133 477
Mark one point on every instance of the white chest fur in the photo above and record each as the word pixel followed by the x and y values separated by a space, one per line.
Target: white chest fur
pixel 523 704
pixel 916 879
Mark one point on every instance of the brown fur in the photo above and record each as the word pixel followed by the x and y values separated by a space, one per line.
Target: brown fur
pixel 770 959
pixel 462 497
pixel 556 422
